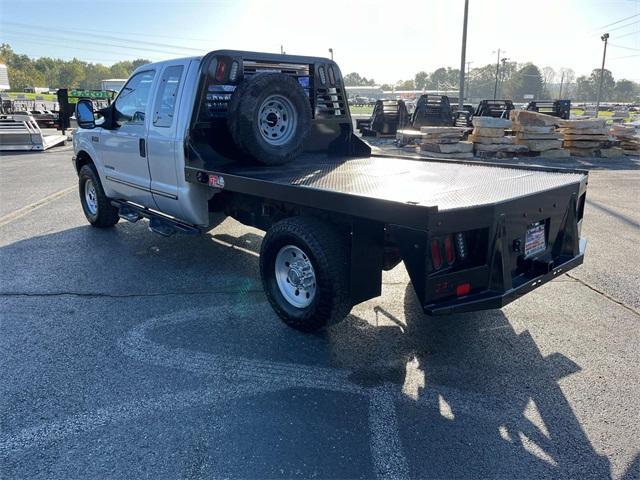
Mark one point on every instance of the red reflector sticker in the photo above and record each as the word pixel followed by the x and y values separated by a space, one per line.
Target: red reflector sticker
pixel 463 289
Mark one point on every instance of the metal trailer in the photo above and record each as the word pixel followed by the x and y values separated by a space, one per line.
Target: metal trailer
pixel 555 108
pixel 21 132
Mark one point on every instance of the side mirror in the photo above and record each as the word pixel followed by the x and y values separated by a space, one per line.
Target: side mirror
pixel 84 114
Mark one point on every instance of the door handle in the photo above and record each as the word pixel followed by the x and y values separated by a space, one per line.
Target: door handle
pixel 143 148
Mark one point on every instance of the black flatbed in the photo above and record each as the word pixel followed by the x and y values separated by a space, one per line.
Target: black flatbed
pixel 387 188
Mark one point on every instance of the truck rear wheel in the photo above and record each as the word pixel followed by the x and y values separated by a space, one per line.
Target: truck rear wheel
pixel 95 204
pixel 270 118
pixel 304 265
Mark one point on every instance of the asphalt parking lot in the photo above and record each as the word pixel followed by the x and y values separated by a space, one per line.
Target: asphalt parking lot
pixel 129 355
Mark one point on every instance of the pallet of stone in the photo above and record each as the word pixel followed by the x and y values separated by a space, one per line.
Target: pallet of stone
pixel 628 138
pixel 461 155
pixel 408 137
pixel 441 134
pixel 457 147
pixel 500 147
pixel 611 152
pixel 537 132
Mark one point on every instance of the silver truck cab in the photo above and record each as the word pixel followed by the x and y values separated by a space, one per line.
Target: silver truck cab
pixel 141 157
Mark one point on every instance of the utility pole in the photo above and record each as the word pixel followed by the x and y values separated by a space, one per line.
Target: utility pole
pixel 604 38
pixel 503 60
pixel 468 81
pixel 331 52
pixel 463 55
pixel 495 88
pixel 561 83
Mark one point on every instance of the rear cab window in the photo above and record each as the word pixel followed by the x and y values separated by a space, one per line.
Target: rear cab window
pixel 166 98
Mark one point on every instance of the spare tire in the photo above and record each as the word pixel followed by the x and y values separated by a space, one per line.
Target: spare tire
pixel 270 118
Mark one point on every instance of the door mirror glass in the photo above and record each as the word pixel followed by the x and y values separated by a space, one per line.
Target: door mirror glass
pixel 84 114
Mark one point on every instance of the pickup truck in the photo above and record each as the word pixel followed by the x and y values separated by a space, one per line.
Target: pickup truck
pixel 268 140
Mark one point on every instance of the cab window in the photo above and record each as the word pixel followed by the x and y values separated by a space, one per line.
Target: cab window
pixel 132 102
pixel 167 94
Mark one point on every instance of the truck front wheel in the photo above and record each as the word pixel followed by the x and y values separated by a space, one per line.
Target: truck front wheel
pixel 95 204
pixel 304 264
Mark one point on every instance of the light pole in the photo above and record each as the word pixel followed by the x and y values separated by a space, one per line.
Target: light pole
pixel 561 84
pixel 604 38
pixel 331 52
pixel 503 60
pixel 463 55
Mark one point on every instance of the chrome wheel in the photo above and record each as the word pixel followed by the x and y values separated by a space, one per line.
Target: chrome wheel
pixel 277 120
pixel 90 197
pixel 295 276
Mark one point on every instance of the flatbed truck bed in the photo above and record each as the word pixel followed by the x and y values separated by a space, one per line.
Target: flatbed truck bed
pixel 409 202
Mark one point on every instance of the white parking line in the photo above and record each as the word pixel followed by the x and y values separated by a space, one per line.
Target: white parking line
pixel 34 206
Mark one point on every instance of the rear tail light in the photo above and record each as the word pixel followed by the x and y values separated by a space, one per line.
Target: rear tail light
pixel 332 76
pixel 463 289
pixel 461 247
pixel 233 71
pixel 449 251
pixel 220 70
pixel 323 75
pixel 436 256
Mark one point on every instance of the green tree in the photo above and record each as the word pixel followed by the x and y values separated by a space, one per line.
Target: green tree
pixel 422 80
pixel 526 81
pixel 386 87
pixel 405 85
pixel 608 83
pixel 625 91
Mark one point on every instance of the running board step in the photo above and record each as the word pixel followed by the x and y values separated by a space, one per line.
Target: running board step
pixel 158 223
pixel 129 214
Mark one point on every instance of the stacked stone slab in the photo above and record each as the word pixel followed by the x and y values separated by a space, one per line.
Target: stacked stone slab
pixel 588 138
pixel 444 142
pixel 537 132
pixel 628 137
pixel 489 139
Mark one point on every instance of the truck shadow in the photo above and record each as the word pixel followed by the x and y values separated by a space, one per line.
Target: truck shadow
pixel 480 399
pixel 475 399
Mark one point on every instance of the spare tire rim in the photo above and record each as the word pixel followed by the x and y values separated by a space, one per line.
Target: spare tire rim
pixel 277 120
pixel 90 197
pixel 295 276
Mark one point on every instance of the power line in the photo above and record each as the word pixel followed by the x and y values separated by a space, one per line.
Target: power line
pixel 112 45
pixel 110 37
pixel 626 56
pixel 626 48
pixel 131 34
pixel 627 34
pixel 618 21
pixel 623 26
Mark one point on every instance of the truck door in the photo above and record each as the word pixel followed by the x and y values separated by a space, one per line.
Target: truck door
pixel 161 138
pixel 124 148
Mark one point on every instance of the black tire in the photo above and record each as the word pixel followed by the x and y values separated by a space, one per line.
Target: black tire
pixel 105 215
pixel 328 252
pixel 244 117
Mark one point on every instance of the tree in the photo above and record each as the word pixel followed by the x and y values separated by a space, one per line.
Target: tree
pixel 608 83
pixel 354 79
pixel 422 80
pixel 584 89
pixel 405 85
pixel 386 87
pixel 625 91
pixel 526 81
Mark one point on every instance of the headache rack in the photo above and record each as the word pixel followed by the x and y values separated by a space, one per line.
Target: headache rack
pixel 320 79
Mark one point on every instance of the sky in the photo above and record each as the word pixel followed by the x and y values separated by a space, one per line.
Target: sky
pixel 384 40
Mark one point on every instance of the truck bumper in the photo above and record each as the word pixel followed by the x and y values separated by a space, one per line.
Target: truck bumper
pixel 488 300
